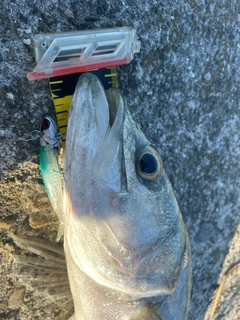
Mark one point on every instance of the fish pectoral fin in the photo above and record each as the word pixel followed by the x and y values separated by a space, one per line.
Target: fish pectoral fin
pixel 147 313
pixel 46 272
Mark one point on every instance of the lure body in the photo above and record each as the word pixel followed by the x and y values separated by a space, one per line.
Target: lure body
pixel 49 150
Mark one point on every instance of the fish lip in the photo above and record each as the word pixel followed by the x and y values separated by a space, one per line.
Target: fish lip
pixel 93 87
pixel 108 173
pixel 113 104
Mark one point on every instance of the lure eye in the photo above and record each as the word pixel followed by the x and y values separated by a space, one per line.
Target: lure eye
pixel 45 124
pixel 149 164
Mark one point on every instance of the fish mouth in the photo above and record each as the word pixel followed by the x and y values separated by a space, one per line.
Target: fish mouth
pixel 110 118
pixel 104 108
pixel 114 104
pixel 97 137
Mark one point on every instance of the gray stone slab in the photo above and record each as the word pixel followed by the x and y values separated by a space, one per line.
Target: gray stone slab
pixel 183 88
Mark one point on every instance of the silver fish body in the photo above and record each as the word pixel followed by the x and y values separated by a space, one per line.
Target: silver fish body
pixel 126 246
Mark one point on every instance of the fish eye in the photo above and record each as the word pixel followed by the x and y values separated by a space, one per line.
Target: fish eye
pixel 149 164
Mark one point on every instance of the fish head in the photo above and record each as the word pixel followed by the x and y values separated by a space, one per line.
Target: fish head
pixel 123 227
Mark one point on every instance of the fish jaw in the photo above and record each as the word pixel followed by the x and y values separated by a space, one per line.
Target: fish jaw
pixel 121 254
pixel 125 233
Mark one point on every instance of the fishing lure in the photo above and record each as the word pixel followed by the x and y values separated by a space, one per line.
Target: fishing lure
pixel 50 171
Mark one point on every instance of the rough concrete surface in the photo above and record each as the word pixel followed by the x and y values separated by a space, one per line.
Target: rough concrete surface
pixel 183 88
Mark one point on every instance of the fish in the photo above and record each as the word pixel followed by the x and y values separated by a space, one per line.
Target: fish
pixel 126 246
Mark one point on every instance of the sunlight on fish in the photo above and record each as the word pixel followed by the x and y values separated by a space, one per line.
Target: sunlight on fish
pixel 126 246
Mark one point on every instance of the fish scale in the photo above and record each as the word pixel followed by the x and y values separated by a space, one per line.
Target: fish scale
pixel 109 245
pixel 127 251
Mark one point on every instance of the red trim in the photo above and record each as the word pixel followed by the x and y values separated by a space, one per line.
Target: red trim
pixel 69 70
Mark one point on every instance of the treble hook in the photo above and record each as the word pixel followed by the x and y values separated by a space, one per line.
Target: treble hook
pixel 35 134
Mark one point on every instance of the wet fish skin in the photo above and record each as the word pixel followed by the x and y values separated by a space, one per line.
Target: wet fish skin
pixel 126 246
